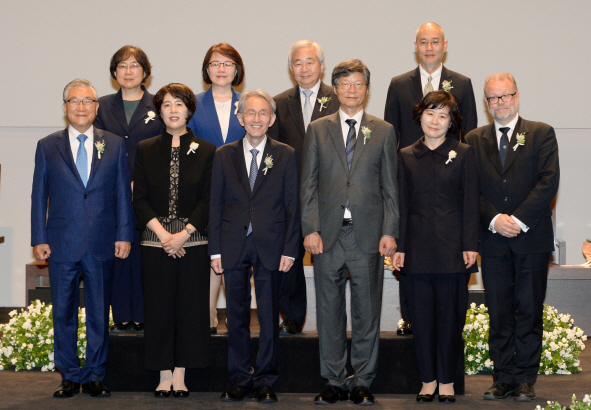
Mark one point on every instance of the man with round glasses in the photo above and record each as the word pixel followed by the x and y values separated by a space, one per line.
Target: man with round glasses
pixel 519 174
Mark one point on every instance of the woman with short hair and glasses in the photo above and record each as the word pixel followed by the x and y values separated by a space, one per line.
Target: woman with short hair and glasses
pixel 130 114
pixel 215 120
pixel 171 199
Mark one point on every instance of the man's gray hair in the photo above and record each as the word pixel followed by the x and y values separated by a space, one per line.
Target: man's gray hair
pixel 255 93
pixel 302 44
pixel 500 76
pixel 79 82
pixel 348 67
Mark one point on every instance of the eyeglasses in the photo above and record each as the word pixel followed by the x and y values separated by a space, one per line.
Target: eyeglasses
pixel 502 98
pixel 435 42
pixel 133 66
pixel 217 64
pixel 74 102
pixel 251 114
pixel 346 86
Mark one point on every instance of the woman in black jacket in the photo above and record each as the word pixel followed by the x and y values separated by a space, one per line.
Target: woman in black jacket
pixel 439 217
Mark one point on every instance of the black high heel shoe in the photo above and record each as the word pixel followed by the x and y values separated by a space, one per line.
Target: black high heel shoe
pixel 426 398
pixel 163 393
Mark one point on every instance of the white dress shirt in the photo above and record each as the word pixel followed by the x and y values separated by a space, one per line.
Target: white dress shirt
pixel 313 97
pixel 223 110
pixel 435 77
pixel 499 133
pixel 75 144
pixel 345 127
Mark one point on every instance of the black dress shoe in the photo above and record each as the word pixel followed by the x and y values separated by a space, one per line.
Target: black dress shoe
pixel 361 395
pixel 499 391
pixel 162 393
pixel 331 395
pixel 180 393
pixel 405 329
pixel 426 398
pixel 213 330
pixel 121 328
pixel 265 394
pixel 138 327
pixel 447 398
pixel 67 389
pixel 96 389
pixel 238 393
pixel 524 392
pixel 289 327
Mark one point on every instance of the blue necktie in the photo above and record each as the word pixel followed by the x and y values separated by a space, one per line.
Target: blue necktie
pixel 82 160
pixel 350 145
pixel 504 144
pixel 307 108
pixel 254 170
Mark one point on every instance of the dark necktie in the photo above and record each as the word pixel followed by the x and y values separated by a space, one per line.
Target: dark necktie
pixel 254 170
pixel 350 145
pixel 82 160
pixel 504 144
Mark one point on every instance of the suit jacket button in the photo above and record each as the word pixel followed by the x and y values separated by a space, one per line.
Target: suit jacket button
pixel 506 199
pixel 126 136
pixel 127 154
pixel 251 208
pixel 348 184
pixel 85 196
pixel 504 180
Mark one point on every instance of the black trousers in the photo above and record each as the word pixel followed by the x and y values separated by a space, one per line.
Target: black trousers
pixel 176 305
pixel 293 301
pixel 437 307
pixel 127 301
pixel 515 289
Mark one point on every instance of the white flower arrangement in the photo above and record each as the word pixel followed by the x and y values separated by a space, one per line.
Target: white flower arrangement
pixel 450 157
pixel 446 85
pixel 520 141
pixel 323 101
pixel 100 147
pixel 192 147
pixel 562 342
pixel 151 116
pixel 236 110
pixel 268 163
pixel 27 341
pixel 366 133
pixel 584 404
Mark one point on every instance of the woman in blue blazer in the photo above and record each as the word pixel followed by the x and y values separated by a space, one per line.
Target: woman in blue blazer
pixel 215 120
pixel 130 114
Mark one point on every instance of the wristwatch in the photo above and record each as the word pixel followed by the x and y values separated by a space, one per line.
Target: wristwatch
pixel 189 231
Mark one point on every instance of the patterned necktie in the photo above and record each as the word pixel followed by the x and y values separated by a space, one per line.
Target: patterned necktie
pixel 504 144
pixel 350 145
pixel 82 160
pixel 254 170
pixel 307 108
pixel 428 87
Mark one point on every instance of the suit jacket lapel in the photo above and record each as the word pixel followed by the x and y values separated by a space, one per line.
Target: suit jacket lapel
pixel 491 147
pixel 63 146
pixel 324 91
pixel 294 104
pixel 212 116
pixel 118 111
pixel 335 133
pixel 234 128
pixel 142 109
pixel 240 165
pixel 96 162
pixel 360 143
pixel 520 127
pixel 416 87
pixel 269 150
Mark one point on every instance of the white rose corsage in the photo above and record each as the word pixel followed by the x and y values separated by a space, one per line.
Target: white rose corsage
pixel 366 133
pixel 323 101
pixel 446 85
pixel 268 163
pixel 100 147
pixel 192 147
pixel 236 110
pixel 450 157
pixel 520 141
pixel 151 116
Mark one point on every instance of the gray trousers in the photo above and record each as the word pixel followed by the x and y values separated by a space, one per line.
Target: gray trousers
pixel 367 279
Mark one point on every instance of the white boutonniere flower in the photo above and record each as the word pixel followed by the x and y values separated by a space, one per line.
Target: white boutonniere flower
pixel 366 133
pixel 192 147
pixel 446 85
pixel 151 116
pixel 236 110
pixel 100 147
pixel 450 157
pixel 520 140
pixel 268 163
pixel 323 101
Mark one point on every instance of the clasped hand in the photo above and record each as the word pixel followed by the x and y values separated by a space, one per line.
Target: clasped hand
pixel 506 226
pixel 173 244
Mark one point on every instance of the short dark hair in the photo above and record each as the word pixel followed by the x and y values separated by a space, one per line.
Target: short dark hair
pixel 177 90
pixel 124 53
pixel 348 67
pixel 440 99
pixel 228 51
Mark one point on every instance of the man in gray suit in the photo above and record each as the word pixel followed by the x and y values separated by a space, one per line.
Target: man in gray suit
pixel 349 198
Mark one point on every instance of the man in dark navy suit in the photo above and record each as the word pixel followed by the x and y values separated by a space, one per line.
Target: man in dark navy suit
pixel 254 220
pixel 81 219
pixel 309 100
pixel 407 90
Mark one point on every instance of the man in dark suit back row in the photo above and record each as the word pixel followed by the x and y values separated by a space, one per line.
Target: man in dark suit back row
pixel 309 100
pixel 407 90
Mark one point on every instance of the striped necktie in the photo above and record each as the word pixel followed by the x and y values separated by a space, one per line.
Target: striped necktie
pixel 254 170
pixel 82 160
